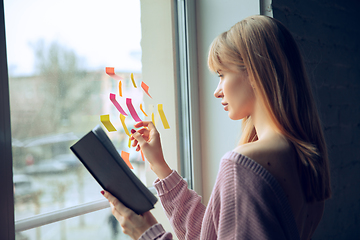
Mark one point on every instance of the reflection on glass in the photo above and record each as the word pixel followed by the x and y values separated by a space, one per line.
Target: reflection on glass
pixel 57 54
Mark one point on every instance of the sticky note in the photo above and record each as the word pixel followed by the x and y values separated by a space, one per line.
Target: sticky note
pixel 142 155
pixel 105 119
pixel 153 118
pixel 129 144
pixel 132 79
pixel 162 116
pixel 132 110
pixel 125 156
pixel 146 88
pixel 116 104
pixel 141 108
pixel 120 90
pixel 111 72
pixel 122 118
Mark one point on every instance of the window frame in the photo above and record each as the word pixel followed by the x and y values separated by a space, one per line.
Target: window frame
pixel 188 85
pixel 188 111
pixel 6 200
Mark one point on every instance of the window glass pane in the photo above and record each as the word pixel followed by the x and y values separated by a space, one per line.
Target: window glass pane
pixel 96 225
pixel 57 54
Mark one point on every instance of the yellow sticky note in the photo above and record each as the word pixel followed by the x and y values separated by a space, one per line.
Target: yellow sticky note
pixel 122 118
pixel 105 119
pixel 162 116
pixel 132 79
pixel 120 91
pixel 153 118
pixel 141 108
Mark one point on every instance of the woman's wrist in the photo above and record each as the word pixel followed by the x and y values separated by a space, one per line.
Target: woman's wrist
pixel 162 171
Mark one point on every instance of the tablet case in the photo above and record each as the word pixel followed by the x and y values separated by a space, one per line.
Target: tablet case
pixel 98 154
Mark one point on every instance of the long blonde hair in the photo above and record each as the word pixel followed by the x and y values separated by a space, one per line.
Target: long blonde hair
pixel 266 49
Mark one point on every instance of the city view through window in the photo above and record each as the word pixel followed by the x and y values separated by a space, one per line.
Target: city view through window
pixel 57 54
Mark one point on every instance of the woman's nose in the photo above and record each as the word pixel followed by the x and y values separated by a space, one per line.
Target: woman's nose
pixel 218 92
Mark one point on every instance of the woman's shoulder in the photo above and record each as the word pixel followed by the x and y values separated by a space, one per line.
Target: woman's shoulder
pixel 278 156
pixel 274 154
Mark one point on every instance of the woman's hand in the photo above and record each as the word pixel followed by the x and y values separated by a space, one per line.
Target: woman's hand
pixel 132 224
pixel 147 139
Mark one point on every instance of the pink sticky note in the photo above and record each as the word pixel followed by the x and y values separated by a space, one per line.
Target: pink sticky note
pixel 146 88
pixel 116 104
pixel 132 110
pixel 111 72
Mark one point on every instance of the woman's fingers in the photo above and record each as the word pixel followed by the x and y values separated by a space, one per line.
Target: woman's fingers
pixel 143 124
pixel 132 224
pixel 150 144
pixel 138 137
pixel 146 124
pixel 124 221
pixel 113 200
pixel 134 143
pixel 145 133
pixel 118 206
pixel 116 214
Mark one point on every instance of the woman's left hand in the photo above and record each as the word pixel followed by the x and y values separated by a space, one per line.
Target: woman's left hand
pixel 132 224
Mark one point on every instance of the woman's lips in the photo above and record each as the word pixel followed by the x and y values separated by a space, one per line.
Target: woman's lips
pixel 225 106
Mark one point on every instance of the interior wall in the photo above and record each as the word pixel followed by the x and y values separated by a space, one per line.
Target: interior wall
pixel 219 134
pixel 329 36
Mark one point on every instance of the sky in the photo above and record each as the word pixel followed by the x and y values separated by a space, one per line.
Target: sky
pixel 103 33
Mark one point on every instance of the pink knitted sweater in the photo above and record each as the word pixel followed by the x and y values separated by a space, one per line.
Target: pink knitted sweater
pixel 246 203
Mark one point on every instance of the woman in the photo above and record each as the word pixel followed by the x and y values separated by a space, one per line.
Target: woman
pixel 274 183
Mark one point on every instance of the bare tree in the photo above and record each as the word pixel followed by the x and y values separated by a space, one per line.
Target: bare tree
pixel 63 89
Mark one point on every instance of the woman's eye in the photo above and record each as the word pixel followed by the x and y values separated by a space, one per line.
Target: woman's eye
pixel 220 75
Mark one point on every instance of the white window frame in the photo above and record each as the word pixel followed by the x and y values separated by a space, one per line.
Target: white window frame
pixel 189 107
pixel 185 77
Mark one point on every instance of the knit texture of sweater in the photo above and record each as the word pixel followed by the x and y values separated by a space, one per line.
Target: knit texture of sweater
pixel 247 202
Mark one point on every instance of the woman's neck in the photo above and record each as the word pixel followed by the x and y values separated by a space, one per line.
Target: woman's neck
pixel 263 123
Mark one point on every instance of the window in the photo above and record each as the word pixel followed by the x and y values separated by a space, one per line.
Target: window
pixel 63 98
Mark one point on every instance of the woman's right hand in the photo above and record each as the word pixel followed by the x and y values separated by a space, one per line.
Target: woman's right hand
pixel 147 139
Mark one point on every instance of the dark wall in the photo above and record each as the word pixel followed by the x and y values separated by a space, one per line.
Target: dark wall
pixel 328 35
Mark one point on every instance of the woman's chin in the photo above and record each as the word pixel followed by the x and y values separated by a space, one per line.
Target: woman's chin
pixel 232 117
pixel 235 116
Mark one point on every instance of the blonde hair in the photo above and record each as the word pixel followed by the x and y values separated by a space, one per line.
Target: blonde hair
pixel 266 49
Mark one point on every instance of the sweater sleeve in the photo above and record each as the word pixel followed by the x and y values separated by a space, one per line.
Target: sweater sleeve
pixel 182 206
pixel 156 232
